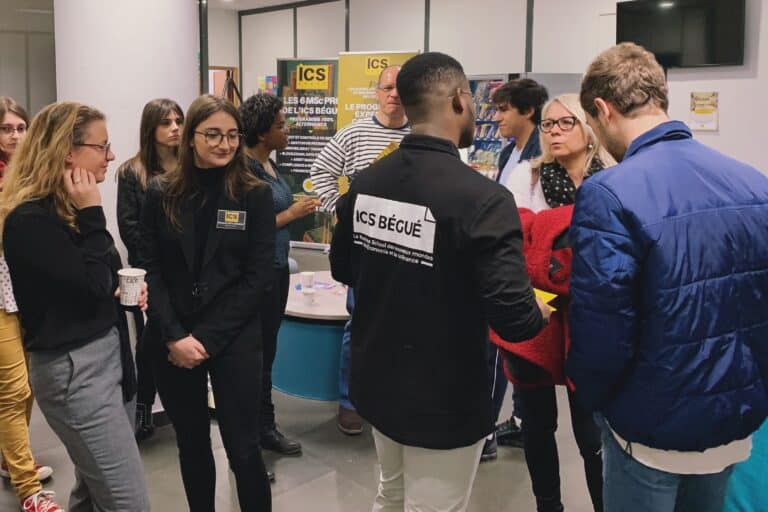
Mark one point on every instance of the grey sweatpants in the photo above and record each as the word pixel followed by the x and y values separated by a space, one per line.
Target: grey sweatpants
pixel 79 393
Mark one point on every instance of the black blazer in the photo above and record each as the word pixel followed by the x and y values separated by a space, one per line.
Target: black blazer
pixel 222 304
pixel 130 201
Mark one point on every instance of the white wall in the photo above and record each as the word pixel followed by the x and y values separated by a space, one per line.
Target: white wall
pixel 118 71
pixel 321 30
pixel 568 35
pixel 486 36
pixel 380 26
pixel 266 38
pixel 27 57
pixel 742 94
pixel 223 44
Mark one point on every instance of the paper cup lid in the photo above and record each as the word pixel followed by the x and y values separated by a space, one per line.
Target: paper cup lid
pixel 132 272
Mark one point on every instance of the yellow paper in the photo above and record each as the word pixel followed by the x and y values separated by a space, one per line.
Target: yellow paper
pixel 343 182
pixel 391 147
pixel 546 297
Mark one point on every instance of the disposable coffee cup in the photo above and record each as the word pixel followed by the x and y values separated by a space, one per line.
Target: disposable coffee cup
pixel 308 296
pixel 131 280
pixel 307 279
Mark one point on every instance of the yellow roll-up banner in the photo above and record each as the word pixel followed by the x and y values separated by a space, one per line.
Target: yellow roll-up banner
pixel 358 77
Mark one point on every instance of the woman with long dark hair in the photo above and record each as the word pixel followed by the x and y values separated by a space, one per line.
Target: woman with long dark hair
pixel 159 138
pixel 209 231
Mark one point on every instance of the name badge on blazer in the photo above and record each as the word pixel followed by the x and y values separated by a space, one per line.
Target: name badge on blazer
pixel 231 219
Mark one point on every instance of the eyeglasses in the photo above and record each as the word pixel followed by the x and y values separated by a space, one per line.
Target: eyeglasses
pixel 103 147
pixel 565 123
pixel 7 129
pixel 214 138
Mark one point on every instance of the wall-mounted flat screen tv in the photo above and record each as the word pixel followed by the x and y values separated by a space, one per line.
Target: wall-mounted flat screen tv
pixel 685 33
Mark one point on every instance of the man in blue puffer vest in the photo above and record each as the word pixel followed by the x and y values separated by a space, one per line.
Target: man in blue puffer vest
pixel 669 321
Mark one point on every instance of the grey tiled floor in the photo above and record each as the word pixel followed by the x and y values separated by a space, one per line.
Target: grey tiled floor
pixel 335 474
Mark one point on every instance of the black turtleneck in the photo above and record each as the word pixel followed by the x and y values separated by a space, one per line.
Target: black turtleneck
pixel 204 204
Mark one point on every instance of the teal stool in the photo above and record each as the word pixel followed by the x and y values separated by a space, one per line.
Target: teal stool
pixel 307 360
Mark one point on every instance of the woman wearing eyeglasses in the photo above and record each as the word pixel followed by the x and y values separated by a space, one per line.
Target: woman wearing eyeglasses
pixel 209 230
pixel 13 127
pixel 159 138
pixel 545 191
pixel 15 396
pixel 64 267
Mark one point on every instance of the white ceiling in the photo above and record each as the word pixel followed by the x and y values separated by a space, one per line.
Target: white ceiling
pixel 241 5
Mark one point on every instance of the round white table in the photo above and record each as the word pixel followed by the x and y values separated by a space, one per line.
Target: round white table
pixel 330 299
pixel 309 341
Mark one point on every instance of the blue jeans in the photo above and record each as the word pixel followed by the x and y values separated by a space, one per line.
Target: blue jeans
pixel 630 486
pixel 346 355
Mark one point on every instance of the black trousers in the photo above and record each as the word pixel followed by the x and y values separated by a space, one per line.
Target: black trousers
pixel 499 382
pixel 145 372
pixel 236 379
pixel 274 308
pixel 538 408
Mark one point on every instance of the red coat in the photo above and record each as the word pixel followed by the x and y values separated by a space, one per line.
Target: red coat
pixel 548 258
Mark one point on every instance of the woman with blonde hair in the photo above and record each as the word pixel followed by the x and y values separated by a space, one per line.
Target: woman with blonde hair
pixel 545 192
pixel 64 266
pixel 570 154
pixel 15 396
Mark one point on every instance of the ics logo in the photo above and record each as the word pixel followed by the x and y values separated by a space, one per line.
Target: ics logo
pixel 375 65
pixel 310 76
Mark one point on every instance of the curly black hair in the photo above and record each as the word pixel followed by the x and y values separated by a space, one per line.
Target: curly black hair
pixel 258 114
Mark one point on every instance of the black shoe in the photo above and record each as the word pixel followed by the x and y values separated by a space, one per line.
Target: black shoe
pixel 489 450
pixel 271 477
pixel 509 434
pixel 275 441
pixel 145 427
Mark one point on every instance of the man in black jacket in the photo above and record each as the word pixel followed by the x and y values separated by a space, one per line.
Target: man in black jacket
pixel 434 252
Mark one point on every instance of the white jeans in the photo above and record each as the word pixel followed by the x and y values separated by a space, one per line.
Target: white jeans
pixel 421 480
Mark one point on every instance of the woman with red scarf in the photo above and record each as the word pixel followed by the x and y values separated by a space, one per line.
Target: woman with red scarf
pixel 545 191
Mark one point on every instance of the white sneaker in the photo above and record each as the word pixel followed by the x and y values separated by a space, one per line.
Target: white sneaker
pixel 43 472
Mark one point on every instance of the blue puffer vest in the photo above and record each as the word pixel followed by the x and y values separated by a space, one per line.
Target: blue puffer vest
pixel 669 294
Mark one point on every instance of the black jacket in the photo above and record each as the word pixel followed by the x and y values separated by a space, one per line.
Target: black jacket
pixel 130 200
pixel 531 150
pixel 64 281
pixel 222 303
pixel 433 251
